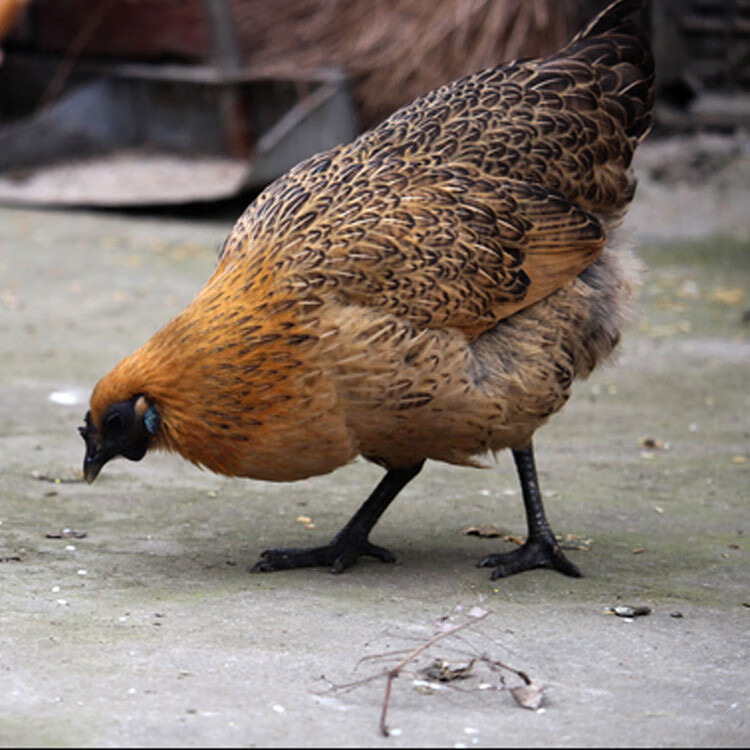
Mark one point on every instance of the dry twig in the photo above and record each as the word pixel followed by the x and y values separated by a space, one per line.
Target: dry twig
pixel 408 656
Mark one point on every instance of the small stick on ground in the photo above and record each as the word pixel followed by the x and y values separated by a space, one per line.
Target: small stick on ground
pixel 393 673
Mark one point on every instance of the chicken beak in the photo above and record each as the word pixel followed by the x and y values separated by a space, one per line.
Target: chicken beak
pixel 96 455
pixel 92 465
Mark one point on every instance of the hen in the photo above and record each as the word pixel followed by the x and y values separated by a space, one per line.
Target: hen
pixel 429 291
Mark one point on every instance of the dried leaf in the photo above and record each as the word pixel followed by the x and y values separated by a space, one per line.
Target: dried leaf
pixel 574 542
pixel 730 297
pixel 423 688
pixel 442 671
pixel 529 696
pixel 653 444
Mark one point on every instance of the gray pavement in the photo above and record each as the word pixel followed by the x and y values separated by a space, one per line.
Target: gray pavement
pixel 149 630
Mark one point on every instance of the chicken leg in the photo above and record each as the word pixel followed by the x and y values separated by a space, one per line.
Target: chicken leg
pixel 352 541
pixel 540 550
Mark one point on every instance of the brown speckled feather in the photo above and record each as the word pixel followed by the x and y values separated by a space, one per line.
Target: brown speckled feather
pixel 440 246
pixel 430 290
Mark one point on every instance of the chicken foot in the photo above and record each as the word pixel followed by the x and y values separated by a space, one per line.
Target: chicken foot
pixel 540 550
pixel 352 541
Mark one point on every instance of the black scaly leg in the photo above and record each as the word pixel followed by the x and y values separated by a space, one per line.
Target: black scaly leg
pixel 352 541
pixel 541 549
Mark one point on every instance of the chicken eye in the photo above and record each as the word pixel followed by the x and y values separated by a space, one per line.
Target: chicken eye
pixel 115 422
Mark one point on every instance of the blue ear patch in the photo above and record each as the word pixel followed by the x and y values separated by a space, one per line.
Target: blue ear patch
pixel 152 420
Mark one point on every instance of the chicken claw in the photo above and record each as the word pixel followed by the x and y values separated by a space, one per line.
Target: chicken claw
pixel 340 554
pixel 351 542
pixel 540 550
pixel 537 552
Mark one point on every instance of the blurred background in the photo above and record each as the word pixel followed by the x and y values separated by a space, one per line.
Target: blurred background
pixel 148 102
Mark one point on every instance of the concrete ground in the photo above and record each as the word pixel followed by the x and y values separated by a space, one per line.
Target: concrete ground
pixel 127 614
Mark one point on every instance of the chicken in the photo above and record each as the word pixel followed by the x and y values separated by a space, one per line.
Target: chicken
pixel 428 291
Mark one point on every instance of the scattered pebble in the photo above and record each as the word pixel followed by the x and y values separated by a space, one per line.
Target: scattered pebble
pixel 676 615
pixel 65 533
pixel 627 610
pixel 70 547
pixel 485 532
pixel 278 708
pixel 689 288
pixel 82 572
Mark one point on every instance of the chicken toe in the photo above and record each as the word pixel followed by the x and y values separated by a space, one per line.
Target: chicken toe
pixel 351 542
pixel 339 555
pixel 541 551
